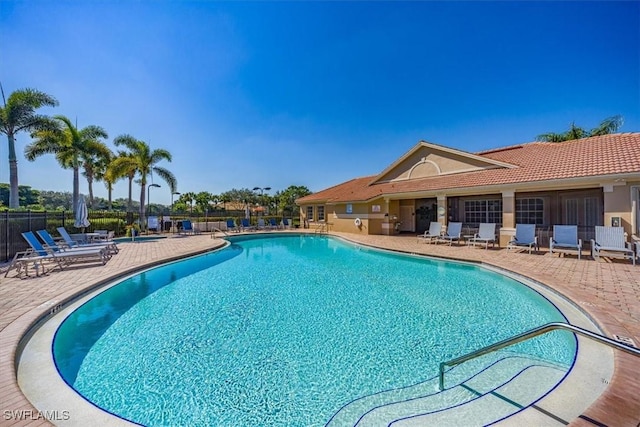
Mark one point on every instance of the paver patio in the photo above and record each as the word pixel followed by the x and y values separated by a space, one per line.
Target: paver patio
pixel 609 291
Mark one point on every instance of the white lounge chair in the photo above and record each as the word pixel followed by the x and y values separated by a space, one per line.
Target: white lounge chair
pixel 454 232
pixel 565 237
pixel 486 234
pixel 111 246
pixel 432 233
pixel 525 237
pixel 611 242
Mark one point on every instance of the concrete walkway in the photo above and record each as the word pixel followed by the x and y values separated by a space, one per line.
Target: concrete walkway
pixel 609 291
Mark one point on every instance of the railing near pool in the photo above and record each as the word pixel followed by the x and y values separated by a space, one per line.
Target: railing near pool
pixel 530 334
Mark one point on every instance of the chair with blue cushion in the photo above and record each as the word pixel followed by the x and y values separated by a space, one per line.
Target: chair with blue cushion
pixel 525 238
pixel 453 233
pixel 231 225
pixel 565 238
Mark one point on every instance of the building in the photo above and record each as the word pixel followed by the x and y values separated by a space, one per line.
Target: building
pixel 587 182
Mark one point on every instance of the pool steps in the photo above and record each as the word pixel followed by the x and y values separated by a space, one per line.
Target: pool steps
pixel 501 389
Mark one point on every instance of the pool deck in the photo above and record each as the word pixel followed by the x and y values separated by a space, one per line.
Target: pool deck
pixel 607 290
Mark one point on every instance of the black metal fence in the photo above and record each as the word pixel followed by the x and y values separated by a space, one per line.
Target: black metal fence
pixel 12 224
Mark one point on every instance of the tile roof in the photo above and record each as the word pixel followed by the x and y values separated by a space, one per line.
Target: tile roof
pixel 536 161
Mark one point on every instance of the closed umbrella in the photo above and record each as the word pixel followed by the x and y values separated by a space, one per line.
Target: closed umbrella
pixel 247 212
pixel 82 214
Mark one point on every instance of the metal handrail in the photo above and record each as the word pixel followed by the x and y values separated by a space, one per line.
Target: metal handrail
pixel 530 334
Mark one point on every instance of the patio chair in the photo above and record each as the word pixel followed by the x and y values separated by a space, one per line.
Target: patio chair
pixel 285 224
pixel 111 246
pixel 245 225
pixel 52 246
pixel 22 259
pixel 261 224
pixel 432 233
pixel 231 226
pixel 188 228
pixel 454 232
pixel 525 237
pixel 611 242
pixel 486 234
pixel 273 224
pixel 61 259
pixel 565 237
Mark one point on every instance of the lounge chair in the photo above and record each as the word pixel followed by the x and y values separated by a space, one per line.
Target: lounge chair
pixel 111 246
pixel 285 224
pixel 565 237
pixel 245 225
pixel 261 224
pixel 188 228
pixel 231 226
pixel 273 224
pixel 52 246
pixel 525 237
pixel 454 232
pixel 611 242
pixel 432 233
pixel 40 254
pixel 486 234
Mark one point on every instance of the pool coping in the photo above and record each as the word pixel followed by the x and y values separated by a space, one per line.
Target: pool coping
pixel 624 383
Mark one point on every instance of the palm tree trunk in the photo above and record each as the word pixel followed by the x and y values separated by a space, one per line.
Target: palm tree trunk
pixel 110 190
pixel 76 188
pixel 130 201
pixel 14 196
pixel 90 183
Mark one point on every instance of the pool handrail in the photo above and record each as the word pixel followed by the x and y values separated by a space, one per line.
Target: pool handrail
pixel 530 334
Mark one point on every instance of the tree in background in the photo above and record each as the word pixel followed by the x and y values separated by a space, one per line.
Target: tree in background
pixel 27 195
pixel 94 165
pixel 203 200
pixel 607 126
pixel 121 167
pixel 286 199
pixel 69 144
pixel 188 199
pixel 143 160
pixel 16 115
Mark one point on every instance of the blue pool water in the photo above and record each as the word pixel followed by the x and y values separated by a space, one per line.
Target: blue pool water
pixel 286 330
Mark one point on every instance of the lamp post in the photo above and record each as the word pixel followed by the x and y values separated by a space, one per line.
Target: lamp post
pixel 149 202
pixel 173 193
pixel 262 190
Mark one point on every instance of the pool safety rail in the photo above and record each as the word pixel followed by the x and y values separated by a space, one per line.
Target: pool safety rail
pixel 533 333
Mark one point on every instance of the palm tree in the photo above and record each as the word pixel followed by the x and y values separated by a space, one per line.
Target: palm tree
pixel 94 163
pixel 143 160
pixel 105 172
pixel 607 126
pixel 124 168
pixel 16 115
pixel 69 144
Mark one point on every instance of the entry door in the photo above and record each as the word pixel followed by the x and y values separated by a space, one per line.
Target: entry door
pixel 407 222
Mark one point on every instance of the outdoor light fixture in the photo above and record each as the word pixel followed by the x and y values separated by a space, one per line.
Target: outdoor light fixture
pixel 149 202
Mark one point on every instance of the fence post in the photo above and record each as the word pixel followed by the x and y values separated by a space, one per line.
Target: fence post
pixel 6 230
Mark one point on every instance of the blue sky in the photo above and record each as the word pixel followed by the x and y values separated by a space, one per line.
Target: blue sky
pixel 247 94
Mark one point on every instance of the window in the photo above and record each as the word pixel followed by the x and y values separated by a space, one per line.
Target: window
pixel 571 211
pixel 478 211
pixel 309 213
pixel 530 211
pixel 320 213
pixel 592 211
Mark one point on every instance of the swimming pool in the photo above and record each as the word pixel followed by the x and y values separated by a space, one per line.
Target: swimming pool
pixel 287 330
